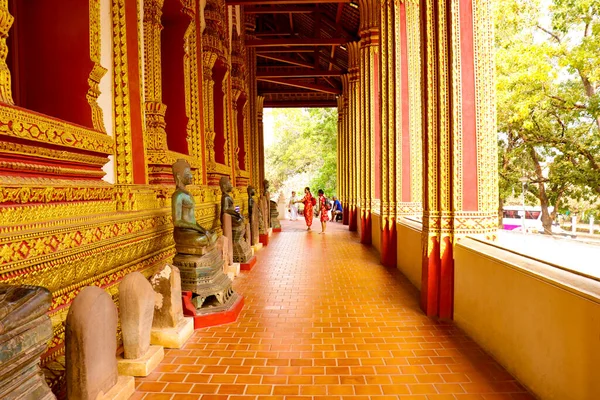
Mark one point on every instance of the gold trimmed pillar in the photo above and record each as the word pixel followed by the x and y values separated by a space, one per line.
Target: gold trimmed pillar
pixel 368 55
pixel 260 101
pixel 387 114
pixel 354 133
pixel 459 139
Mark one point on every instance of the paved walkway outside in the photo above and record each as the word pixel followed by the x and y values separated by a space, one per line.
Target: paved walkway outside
pixel 324 320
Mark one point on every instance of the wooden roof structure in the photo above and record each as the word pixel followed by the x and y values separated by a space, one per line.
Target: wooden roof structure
pixel 300 49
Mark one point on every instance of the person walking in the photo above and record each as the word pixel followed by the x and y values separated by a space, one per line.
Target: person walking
pixel 309 202
pixel 293 208
pixel 324 206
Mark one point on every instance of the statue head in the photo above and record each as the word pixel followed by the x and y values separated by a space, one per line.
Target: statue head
pixel 251 191
pixel 225 184
pixel 266 184
pixel 182 173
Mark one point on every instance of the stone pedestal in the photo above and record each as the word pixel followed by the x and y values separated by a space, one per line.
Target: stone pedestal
pixel 91 346
pixel 204 277
pixel 175 337
pixel 257 247
pixel 25 330
pixel 122 390
pixel 141 366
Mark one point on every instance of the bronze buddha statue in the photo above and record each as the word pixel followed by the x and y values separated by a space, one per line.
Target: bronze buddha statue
pixel 190 237
pixel 227 205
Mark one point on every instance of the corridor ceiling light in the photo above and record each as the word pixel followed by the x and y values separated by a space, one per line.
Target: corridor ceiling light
pixel 353 5
pixel 343 47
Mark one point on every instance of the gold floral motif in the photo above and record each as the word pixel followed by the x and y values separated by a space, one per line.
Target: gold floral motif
pixel 98 71
pixel 42 152
pixel 13 217
pixel 21 249
pixel 22 124
pixel 6 21
pixel 122 111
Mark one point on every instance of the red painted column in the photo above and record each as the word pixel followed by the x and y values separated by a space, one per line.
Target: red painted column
pixel 460 140
pixel 138 153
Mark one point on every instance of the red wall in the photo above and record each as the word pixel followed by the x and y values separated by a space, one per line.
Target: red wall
pixel 50 60
pixel 173 82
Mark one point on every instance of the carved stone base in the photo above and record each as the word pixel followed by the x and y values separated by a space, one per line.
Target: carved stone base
pixel 173 338
pixel 141 366
pixel 21 348
pixel 218 316
pixel 123 390
pixel 241 250
pixel 204 277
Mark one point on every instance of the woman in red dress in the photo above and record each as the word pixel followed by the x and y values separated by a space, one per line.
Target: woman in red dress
pixel 309 201
pixel 322 210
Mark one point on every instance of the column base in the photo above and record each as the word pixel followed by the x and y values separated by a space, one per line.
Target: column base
pixel 123 389
pixel 248 265
pixel 264 239
pixel 276 229
pixel 173 338
pixel 142 366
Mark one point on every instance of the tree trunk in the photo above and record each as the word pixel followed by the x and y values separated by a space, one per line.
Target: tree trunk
pixel 543 197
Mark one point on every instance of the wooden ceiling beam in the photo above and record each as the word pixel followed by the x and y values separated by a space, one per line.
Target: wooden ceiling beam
pixel 285 59
pixel 279 10
pixel 287 90
pixel 300 103
pixel 278 2
pixel 295 42
pixel 271 50
pixel 295 73
pixel 302 85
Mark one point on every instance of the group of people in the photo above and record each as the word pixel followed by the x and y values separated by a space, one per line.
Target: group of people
pixel 322 204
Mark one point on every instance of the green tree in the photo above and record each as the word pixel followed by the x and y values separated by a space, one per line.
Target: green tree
pixel 548 119
pixel 304 149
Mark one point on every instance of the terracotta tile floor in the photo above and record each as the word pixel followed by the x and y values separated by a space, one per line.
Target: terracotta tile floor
pixel 324 320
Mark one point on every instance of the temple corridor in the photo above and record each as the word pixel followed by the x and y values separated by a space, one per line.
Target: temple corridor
pixel 323 318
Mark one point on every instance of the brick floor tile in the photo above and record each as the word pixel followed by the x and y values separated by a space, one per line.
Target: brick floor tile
pixel 324 322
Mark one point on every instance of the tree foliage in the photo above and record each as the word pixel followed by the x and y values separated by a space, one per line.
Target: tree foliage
pixel 548 77
pixel 304 150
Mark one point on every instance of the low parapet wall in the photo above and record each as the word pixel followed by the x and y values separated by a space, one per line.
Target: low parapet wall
pixel 540 322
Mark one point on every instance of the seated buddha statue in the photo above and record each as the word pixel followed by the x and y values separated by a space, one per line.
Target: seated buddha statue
pixel 190 237
pixel 227 206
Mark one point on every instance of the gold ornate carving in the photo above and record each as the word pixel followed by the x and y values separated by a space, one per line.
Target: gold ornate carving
pixel 22 124
pixel 6 21
pixel 98 71
pixel 122 111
